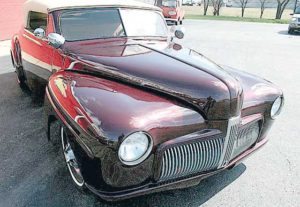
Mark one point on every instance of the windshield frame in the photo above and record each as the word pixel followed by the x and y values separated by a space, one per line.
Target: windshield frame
pixel 61 12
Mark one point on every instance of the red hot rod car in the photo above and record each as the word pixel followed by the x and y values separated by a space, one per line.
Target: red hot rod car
pixel 138 112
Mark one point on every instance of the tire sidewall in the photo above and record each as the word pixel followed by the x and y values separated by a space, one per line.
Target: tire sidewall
pixel 82 187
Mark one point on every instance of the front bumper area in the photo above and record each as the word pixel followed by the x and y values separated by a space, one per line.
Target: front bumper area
pixel 178 184
pixel 295 25
pixel 157 185
pixel 171 21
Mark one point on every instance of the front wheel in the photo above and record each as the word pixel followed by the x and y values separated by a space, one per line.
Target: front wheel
pixel 21 78
pixel 71 161
pixel 19 68
pixel 291 31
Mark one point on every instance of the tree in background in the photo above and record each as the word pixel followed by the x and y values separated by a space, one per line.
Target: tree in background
pixel 262 7
pixel 281 5
pixel 243 5
pixel 205 6
pixel 296 5
pixel 217 4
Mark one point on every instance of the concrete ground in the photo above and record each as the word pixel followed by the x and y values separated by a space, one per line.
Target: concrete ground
pixel 32 172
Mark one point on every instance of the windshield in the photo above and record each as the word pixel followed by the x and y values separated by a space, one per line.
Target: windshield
pixel 169 3
pixel 85 24
pixel 297 10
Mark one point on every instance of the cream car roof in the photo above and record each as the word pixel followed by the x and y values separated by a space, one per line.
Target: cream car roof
pixel 45 6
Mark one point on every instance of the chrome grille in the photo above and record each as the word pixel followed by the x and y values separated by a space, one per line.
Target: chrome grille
pixel 191 158
pixel 187 159
pixel 247 136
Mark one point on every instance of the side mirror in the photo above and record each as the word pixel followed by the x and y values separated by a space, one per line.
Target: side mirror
pixel 179 33
pixel 39 32
pixel 56 40
pixel 291 14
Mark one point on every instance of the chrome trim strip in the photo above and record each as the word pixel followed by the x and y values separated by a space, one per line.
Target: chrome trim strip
pixel 72 64
pixel 32 40
pixel 231 123
pixel 78 117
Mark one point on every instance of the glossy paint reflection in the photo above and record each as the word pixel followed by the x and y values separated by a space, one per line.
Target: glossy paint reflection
pixel 118 109
pixel 197 85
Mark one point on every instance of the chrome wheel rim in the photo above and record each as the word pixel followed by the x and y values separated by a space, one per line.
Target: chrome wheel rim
pixel 71 160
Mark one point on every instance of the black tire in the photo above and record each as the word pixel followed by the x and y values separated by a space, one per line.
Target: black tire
pixel 291 31
pixel 21 79
pixel 72 163
pixel 176 23
pixel 180 22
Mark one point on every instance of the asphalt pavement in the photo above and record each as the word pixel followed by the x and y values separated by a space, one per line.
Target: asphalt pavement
pixel 32 171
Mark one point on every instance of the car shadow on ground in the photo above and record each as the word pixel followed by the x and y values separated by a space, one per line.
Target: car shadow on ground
pixel 285 32
pixel 33 172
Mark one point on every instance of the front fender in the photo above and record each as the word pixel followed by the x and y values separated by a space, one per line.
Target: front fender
pixel 109 110
pixel 259 94
pixel 102 112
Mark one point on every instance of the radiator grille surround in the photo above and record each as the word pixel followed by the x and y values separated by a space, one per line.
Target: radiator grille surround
pixel 208 153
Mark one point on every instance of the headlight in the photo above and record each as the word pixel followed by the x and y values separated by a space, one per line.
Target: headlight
pixel 172 12
pixel 275 110
pixel 135 148
pixel 294 19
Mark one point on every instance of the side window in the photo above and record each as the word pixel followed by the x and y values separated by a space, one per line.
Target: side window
pixel 36 20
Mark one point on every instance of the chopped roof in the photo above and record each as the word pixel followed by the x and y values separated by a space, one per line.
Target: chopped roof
pixel 45 6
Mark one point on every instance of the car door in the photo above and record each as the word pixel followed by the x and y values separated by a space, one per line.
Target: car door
pixel 36 52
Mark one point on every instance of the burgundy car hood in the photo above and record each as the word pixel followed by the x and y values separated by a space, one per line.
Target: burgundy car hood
pixel 166 68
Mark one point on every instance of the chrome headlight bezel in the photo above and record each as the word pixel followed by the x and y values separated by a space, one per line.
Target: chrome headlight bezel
pixel 276 107
pixel 140 157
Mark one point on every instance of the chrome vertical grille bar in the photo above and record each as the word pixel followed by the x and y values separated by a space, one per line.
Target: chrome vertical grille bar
pixel 169 163
pixel 230 138
pixel 206 149
pixel 193 161
pixel 176 161
pixel 185 158
pixel 172 162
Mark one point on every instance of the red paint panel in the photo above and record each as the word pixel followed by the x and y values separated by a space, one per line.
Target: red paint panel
pixel 179 12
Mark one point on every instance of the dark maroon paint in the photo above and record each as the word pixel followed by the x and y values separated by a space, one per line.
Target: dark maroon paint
pixel 123 85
